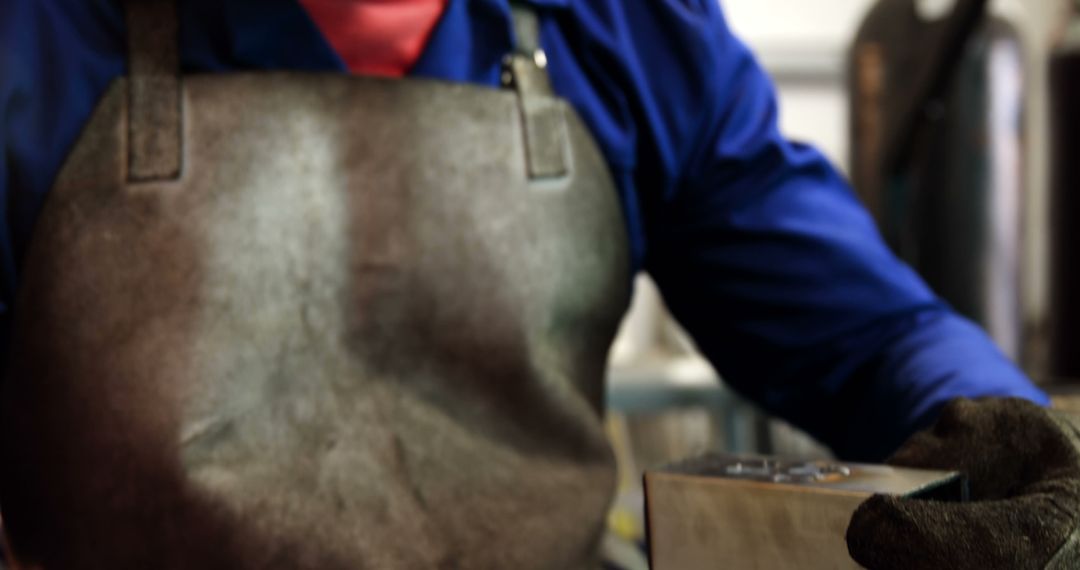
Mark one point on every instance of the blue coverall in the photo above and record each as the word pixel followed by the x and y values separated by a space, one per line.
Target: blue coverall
pixel 759 246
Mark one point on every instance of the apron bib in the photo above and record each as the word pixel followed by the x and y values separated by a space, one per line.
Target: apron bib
pixel 291 320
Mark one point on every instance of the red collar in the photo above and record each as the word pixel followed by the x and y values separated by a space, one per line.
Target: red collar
pixel 377 37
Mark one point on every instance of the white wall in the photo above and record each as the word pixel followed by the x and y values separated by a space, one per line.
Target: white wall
pixel 819 24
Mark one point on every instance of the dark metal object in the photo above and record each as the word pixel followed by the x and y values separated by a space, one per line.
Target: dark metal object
pixel 937 153
pixel 932 80
pixel 1064 341
pixel 353 333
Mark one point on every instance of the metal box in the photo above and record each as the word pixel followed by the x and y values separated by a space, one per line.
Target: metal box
pixel 763 513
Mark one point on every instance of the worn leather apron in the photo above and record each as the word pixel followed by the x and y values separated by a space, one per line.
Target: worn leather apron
pixel 290 320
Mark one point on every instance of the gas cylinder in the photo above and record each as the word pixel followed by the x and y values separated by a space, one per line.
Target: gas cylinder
pixel 1064 340
pixel 937 112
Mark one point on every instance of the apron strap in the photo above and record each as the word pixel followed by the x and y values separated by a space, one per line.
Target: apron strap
pixel 154 115
pixel 543 115
pixel 526 27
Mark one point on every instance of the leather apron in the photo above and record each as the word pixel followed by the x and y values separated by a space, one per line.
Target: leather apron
pixel 292 320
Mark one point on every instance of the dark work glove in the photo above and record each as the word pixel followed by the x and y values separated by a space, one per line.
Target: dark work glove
pixel 1023 462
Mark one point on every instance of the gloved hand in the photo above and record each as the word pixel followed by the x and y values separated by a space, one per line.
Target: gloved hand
pixel 1024 467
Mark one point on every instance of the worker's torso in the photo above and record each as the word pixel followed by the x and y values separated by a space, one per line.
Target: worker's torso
pixel 281 320
pixel 629 73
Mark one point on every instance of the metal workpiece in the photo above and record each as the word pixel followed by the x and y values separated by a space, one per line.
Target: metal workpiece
pixel 754 512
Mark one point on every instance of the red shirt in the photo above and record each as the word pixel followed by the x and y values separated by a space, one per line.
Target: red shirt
pixel 376 37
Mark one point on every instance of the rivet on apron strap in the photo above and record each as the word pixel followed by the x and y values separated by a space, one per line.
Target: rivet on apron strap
pixel 542 113
pixel 154 114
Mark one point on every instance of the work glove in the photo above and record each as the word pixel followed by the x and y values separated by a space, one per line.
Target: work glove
pixel 1023 463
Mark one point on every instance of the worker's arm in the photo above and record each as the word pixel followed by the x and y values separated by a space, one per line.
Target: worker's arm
pixel 767 257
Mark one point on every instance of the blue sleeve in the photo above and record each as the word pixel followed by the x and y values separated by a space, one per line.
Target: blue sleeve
pixel 56 59
pixel 769 260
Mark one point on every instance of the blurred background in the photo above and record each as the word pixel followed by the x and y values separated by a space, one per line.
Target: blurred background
pixel 948 125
